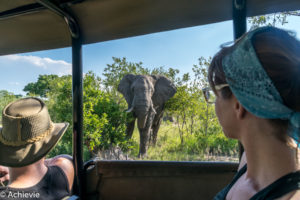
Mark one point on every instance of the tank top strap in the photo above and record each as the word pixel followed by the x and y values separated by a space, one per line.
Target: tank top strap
pixel 280 187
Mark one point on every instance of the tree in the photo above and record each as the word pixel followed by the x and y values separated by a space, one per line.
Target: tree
pixel 200 81
pixel 113 73
pixel 41 87
pixel 104 119
pixel 192 112
pixel 178 105
pixel 5 98
pixel 59 102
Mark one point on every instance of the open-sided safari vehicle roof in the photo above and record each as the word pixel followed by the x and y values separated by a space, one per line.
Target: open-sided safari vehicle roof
pixel 26 25
pixel 29 25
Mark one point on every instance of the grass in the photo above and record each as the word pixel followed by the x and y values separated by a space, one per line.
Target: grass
pixel 195 148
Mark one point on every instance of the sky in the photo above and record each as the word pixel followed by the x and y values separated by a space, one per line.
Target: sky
pixel 178 49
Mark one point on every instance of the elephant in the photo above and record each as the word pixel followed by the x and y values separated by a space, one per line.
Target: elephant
pixel 146 96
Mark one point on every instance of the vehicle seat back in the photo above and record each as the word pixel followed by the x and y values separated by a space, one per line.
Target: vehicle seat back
pixel 157 180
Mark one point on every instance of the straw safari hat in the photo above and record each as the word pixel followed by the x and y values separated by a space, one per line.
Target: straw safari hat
pixel 27 133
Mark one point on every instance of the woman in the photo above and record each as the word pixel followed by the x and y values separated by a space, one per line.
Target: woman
pixel 257 87
pixel 27 135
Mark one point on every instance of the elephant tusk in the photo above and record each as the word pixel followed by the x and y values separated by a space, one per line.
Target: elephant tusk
pixel 132 106
pixel 129 110
pixel 153 109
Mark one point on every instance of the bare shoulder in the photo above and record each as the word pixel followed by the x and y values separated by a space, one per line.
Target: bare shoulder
pixel 65 163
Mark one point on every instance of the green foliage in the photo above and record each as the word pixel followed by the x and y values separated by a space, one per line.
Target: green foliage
pixel 188 104
pixel 41 87
pixel 60 108
pixel 271 19
pixel 195 133
pixel 104 119
pixel 5 98
pixel 113 73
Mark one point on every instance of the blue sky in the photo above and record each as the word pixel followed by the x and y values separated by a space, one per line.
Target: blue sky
pixel 178 49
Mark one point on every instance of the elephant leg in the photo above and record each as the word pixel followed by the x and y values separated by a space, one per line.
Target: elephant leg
pixel 155 126
pixel 155 131
pixel 130 128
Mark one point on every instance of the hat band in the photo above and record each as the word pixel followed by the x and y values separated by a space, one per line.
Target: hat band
pixel 28 141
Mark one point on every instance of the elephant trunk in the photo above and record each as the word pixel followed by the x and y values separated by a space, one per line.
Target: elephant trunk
pixel 145 116
pixel 152 108
pixel 143 108
pixel 142 120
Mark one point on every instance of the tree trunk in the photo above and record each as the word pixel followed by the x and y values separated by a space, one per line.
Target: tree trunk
pixel 206 119
pixel 192 124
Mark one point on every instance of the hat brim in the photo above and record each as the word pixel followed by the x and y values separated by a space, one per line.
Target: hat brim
pixel 19 156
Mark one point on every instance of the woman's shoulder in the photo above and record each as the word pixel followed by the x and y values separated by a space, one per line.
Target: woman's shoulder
pixel 64 162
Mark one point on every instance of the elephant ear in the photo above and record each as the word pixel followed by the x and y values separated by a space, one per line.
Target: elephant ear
pixel 164 89
pixel 124 88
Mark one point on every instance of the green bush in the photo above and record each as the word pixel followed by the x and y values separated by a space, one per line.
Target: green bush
pixel 217 144
pixel 104 122
pixel 5 98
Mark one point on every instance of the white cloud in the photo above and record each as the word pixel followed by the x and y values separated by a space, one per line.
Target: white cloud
pixel 58 67
pixel 14 83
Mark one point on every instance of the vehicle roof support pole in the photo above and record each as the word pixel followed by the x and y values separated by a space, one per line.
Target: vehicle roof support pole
pixel 77 92
pixel 239 13
pixel 239 18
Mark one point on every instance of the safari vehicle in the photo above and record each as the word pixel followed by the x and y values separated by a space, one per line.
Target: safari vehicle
pixel 33 25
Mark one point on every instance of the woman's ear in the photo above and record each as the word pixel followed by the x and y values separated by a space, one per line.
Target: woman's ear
pixel 239 109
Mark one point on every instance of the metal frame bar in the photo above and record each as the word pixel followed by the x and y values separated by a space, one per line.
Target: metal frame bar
pixel 22 10
pixel 239 13
pixel 31 8
pixel 77 93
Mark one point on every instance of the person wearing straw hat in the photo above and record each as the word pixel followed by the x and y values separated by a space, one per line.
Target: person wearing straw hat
pixel 257 101
pixel 27 135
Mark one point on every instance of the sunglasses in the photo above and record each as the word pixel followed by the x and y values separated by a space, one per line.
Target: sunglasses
pixel 209 95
